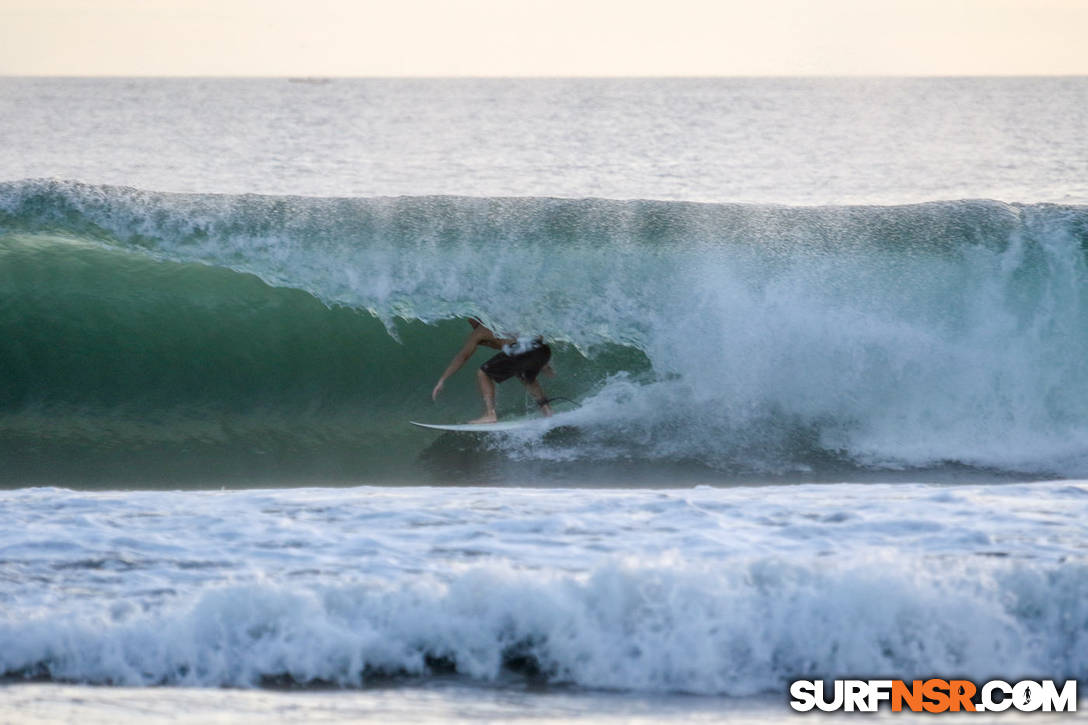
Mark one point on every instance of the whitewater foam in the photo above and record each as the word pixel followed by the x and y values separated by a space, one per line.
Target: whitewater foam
pixel 724 591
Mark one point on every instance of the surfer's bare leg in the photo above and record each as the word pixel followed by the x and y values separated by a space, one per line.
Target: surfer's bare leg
pixel 487 392
pixel 538 394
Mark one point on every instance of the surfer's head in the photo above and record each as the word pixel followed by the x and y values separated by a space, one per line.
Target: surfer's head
pixel 475 322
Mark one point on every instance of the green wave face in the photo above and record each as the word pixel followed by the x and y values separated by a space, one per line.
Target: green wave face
pixel 164 339
pixel 120 365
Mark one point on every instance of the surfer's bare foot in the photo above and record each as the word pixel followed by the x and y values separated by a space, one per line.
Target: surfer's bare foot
pixel 489 418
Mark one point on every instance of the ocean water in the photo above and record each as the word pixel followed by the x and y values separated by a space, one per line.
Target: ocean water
pixel 826 342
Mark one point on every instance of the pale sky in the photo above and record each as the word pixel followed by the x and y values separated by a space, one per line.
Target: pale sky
pixel 537 38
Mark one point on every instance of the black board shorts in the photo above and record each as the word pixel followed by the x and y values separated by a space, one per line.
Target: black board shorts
pixel 525 366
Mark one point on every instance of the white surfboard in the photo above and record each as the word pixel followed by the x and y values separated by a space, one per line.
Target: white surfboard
pixel 502 425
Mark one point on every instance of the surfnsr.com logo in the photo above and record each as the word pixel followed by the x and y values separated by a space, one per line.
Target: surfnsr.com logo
pixel 934 695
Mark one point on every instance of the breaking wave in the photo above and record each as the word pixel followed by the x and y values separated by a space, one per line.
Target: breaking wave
pixel 212 335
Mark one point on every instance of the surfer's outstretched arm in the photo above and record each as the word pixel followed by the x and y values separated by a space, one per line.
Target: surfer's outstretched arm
pixel 461 358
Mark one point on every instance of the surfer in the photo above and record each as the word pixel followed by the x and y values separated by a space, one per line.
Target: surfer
pixel 524 357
